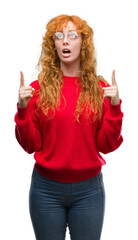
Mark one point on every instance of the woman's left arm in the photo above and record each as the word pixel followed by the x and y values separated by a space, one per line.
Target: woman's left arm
pixel 108 137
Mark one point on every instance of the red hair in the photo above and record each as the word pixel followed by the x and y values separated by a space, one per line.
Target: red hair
pixel 50 77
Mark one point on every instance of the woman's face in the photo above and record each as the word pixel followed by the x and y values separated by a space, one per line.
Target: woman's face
pixel 68 44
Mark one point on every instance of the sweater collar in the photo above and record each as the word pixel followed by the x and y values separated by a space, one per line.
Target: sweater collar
pixel 70 78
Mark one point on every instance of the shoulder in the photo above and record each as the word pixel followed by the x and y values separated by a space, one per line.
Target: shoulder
pixel 35 85
pixel 102 82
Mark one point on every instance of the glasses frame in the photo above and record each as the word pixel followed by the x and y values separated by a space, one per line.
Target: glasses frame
pixel 68 35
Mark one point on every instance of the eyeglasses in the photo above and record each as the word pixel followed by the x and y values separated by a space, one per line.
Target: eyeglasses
pixel 72 35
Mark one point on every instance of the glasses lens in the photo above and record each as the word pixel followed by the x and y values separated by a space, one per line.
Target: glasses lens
pixel 73 34
pixel 59 35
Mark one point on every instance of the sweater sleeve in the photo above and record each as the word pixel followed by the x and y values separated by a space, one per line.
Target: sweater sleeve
pixel 27 128
pixel 108 137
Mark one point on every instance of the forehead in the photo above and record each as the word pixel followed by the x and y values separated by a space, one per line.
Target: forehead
pixel 69 26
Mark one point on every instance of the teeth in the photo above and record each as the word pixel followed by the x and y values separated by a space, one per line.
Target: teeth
pixel 66 51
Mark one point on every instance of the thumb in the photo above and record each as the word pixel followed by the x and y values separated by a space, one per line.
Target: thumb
pixel 21 79
pixel 113 78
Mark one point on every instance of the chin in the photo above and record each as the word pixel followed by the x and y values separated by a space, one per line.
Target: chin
pixel 69 60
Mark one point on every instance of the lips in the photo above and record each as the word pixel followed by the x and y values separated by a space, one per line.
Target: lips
pixel 66 52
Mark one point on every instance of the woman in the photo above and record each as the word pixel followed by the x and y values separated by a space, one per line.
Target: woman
pixel 67 117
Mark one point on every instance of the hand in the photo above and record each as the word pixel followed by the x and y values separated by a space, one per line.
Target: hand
pixel 25 93
pixel 112 91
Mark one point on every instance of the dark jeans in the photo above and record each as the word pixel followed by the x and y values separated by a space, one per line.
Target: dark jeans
pixel 55 205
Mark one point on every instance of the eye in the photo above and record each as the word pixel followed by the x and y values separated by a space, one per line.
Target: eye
pixel 59 35
pixel 73 34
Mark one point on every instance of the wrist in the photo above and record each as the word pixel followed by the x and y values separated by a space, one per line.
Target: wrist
pixel 115 101
pixel 22 111
pixel 22 104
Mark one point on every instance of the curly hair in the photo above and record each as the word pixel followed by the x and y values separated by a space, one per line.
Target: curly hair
pixel 51 76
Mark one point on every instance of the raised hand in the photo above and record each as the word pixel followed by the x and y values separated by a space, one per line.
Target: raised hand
pixel 112 91
pixel 25 93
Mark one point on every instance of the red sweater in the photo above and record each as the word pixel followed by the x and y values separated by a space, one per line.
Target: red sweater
pixel 66 150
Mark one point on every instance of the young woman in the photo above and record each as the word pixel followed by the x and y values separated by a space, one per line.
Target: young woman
pixel 66 118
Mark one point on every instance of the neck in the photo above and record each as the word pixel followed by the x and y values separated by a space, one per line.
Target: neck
pixel 70 69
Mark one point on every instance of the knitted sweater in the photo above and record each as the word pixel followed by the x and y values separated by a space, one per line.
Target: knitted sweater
pixel 65 150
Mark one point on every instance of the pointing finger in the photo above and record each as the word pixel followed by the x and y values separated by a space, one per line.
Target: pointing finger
pixel 21 79
pixel 113 79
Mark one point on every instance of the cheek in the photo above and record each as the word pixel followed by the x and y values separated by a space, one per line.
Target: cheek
pixel 57 46
pixel 58 50
pixel 77 48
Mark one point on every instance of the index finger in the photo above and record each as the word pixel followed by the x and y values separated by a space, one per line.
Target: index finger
pixel 21 79
pixel 113 78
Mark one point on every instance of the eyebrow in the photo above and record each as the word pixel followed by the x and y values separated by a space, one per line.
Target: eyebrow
pixel 69 31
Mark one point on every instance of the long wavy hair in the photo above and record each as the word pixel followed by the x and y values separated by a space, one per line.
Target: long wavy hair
pixel 51 76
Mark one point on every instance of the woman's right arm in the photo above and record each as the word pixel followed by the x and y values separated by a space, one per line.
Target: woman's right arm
pixel 27 129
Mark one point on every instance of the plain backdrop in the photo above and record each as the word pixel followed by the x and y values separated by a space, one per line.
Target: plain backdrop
pixel 22 26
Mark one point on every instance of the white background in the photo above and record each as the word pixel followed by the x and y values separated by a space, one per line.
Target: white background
pixel 22 25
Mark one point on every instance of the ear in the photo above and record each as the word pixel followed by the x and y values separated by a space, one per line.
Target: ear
pixel 55 49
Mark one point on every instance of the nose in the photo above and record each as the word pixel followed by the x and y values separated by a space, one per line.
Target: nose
pixel 66 39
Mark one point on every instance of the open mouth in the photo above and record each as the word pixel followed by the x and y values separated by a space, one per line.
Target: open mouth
pixel 66 51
